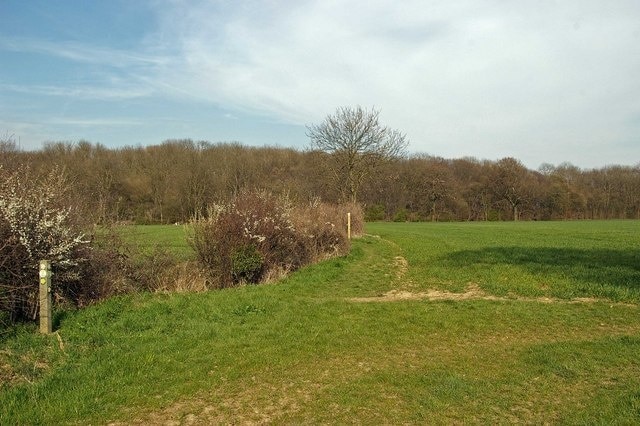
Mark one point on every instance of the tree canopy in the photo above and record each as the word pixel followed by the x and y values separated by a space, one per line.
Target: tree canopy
pixel 357 143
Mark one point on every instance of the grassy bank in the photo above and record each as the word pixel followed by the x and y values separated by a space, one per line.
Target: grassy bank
pixel 549 331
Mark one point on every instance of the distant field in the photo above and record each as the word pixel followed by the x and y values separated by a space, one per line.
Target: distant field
pixel 423 323
pixel 147 238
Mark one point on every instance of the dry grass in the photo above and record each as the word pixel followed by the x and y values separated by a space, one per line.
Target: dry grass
pixel 474 292
pixel 185 277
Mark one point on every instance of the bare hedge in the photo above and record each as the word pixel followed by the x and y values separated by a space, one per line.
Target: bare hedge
pixel 257 236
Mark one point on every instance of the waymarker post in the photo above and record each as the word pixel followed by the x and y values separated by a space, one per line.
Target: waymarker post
pixel 46 317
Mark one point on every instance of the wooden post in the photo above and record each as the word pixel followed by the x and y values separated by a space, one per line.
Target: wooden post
pixel 46 317
pixel 349 225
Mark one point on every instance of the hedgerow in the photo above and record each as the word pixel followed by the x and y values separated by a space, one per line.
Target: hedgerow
pixel 253 238
pixel 34 225
pixel 258 235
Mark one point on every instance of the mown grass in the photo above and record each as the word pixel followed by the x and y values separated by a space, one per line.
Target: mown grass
pixel 302 351
pixel 554 259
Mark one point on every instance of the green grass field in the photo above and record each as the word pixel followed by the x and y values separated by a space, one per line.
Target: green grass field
pixel 147 238
pixel 427 323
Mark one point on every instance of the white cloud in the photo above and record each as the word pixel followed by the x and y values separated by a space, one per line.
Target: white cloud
pixel 80 92
pixel 81 52
pixel 542 81
pixel 537 80
pixel 108 74
pixel 93 122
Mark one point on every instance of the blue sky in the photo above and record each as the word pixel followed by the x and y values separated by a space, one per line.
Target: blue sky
pixel 541 81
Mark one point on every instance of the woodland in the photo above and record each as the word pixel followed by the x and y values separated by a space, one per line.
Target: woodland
pixel 176 180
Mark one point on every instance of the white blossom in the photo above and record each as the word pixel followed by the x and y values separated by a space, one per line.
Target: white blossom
pixel 41 226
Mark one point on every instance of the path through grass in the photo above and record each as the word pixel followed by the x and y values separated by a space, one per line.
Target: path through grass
pixel 303 351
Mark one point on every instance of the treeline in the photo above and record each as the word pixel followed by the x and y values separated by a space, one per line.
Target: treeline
pixel 176 181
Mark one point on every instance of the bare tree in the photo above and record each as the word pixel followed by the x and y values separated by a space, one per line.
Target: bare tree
pixel 357 145
pixel 8 151
pixel 436 185
pixel 510 183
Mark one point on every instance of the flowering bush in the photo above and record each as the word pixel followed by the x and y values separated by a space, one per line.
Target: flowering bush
pixel 258 235
pixel 239 241
pixel 34 226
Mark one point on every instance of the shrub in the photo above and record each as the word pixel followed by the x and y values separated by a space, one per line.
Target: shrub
pixel 38 221
pixel 246 264
pixel 117 267
pixel 401 216
pixel 239 241
pixel 324 227
pixel 108 271
pixel 374 213
pixel 35 225
pixel 258 235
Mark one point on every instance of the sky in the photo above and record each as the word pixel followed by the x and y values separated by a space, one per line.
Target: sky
pixel 542 81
